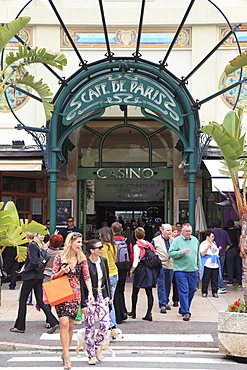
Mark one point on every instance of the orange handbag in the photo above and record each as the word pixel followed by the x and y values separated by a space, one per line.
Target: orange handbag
pixel 58 290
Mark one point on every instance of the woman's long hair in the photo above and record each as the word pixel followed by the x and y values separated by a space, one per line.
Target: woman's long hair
pixel 66 254
pixel 106 237
pixel 40 243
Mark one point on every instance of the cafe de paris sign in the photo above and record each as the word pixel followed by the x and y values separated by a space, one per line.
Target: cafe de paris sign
pixel 123 88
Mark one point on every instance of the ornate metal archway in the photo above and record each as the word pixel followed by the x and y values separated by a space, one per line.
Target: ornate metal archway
pixel 128 80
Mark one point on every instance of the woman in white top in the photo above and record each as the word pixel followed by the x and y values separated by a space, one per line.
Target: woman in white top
pixel 210 264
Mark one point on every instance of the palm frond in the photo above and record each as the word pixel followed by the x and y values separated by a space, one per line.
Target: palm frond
pixel 21 253
pixel 34 227
pixel 26 56
pixel 8 31
pixel 10 207
pixel 42 89
pixel 236 63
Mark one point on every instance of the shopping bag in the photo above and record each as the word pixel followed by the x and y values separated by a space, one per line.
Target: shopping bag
pixel 58 290
pixel 79 315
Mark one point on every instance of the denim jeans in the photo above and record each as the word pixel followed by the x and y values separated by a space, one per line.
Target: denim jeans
pixel 221 284
pixel 164 282
pixel 186 284
pixel 113 284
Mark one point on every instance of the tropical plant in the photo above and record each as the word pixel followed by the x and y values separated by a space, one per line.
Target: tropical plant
pixel 15 63
pixel 231 143
pixel 12 230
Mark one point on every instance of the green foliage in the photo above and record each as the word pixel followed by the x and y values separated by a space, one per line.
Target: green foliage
pixel 41 88
pixel 237 306
pixel 8 31
pixel 33 227
pixel 12 230
pixel 231 143
pixel 24 57
pixel 238 62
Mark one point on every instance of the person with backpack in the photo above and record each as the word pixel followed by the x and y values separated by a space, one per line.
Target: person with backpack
pixel 123 265
pixel 110 253
pixel 162 244
pixel 146 268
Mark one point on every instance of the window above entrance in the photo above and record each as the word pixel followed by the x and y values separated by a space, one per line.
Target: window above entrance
pixel 128 145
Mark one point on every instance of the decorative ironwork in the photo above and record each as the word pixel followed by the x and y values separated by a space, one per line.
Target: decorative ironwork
pixel 203 144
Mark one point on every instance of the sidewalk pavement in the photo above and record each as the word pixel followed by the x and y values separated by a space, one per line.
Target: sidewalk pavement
pixel 204 318
pixel 203 309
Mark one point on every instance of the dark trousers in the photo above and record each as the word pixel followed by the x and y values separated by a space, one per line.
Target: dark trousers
pixel 210 275
pixel 175 297
pixel 11 269
pixel 26 288
pixel 149 294
pixel 234 262
pixel 119 299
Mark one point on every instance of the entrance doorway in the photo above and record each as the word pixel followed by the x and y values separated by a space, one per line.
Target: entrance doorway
pixel 128 212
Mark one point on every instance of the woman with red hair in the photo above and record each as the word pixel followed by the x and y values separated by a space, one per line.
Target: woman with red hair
pixel 55 247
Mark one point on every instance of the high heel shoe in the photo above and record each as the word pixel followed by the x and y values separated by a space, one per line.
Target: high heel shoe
pixel 132 314
pixel 66 363
pixel 62 358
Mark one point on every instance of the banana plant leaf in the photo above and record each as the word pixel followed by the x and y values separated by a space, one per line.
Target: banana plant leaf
pixel 42 89
pixel 5 219
pixel 26 56
pixel 33 227
pixel 10 207
pixel 21 253
pixel 8 31
pixel 238 62
pixel 13 236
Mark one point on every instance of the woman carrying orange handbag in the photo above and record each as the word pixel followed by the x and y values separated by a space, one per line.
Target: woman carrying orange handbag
pixel 73 263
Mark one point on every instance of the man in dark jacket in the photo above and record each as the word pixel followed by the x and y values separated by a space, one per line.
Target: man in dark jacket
pixel 233 259
pixel 71 228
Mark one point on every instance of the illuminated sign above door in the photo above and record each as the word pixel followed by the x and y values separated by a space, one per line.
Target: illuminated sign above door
pixel 123 88
pixel 125 173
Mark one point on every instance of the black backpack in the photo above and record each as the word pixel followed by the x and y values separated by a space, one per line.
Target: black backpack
pixel 151 259
pixel 123 259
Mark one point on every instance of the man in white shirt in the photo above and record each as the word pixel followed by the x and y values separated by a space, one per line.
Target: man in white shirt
pixel 162 245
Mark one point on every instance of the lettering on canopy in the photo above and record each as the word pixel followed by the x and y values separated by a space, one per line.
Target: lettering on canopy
pixel 127 88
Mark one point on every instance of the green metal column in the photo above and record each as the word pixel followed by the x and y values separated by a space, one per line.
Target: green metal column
pixel 192 173
pixel 170 215
pixel 79 201
pixel 165 202
pixel 84 209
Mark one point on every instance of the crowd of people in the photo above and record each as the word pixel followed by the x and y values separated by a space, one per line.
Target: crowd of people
pixel 169 257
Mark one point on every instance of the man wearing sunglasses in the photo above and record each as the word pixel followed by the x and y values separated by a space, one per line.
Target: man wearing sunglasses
pixel 71 228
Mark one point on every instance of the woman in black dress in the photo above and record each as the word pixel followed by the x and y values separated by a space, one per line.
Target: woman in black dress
pixel 32 280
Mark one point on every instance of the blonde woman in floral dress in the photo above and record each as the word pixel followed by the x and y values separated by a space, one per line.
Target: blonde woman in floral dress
pixel 72 262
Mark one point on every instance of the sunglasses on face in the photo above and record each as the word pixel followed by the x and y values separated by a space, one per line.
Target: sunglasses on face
pixel 76 235
pixel 100 247
pixel 69 220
